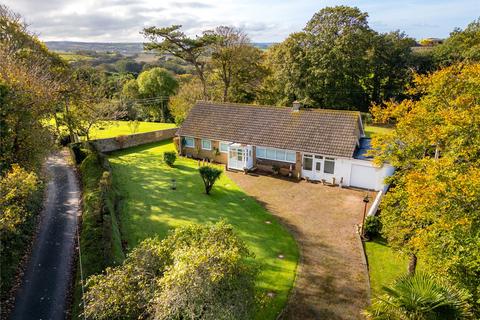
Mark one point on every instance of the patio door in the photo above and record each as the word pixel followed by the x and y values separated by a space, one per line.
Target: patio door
pixel 236 158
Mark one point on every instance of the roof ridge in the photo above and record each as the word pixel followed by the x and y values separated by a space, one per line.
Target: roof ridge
pixel 272 106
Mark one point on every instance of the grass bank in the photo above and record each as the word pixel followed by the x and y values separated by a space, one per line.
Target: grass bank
pixel 150 208
pixel 100 239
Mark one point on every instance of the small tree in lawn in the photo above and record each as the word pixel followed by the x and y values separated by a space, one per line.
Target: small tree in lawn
pixel 209 176
pixel 169 157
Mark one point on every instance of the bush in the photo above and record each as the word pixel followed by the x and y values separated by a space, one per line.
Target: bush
pixel 79 152
pixel 169 157
pixel 196 272
pixel 20 202
pixel 209 176
pixel 372 226
pixel 64 139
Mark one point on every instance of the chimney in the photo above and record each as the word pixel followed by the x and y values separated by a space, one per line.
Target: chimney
pixel 296 106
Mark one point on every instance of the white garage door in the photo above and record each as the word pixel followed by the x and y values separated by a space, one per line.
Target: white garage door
pixel 363 177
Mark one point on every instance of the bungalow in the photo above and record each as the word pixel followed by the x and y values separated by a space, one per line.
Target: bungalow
pixel 315 144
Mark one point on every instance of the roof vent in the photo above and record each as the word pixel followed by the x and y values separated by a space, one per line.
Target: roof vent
pixel 296 106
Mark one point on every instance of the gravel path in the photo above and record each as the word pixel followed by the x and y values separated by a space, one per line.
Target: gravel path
pixel 332 280
pixel 46 282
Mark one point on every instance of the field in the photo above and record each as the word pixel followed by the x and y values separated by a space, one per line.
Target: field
pixel 150 208
pixel 113 129
pixel 384 263
pixel 69 56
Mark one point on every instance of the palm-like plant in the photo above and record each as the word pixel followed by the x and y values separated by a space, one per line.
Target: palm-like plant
pixel 420 297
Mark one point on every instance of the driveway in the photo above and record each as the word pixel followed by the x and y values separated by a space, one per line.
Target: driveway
pixel 46 282
pixel 332 282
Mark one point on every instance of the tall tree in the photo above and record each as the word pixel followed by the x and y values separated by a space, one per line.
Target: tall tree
pixel 172 41
pixel 158 83
pixel 432 210
pixel 189 93
pixel 237 63
pixel 338 40
pixel 391 66
pixel 31 81
pixel 287 68
pixel 461 45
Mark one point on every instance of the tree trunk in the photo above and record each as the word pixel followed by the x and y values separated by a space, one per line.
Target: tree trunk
pixel 412 264
pixel 202 80
pixel 69 122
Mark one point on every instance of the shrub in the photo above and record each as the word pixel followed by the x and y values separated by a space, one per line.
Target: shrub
pixel 169 157
pixel 421 296
pixel 64 139
pixel 209 176
pixel 197 272
pixel 20 202
pixel 79 152
pixel 16 189
pixel 372 226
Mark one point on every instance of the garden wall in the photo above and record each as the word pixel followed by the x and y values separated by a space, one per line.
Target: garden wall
pixel 132 140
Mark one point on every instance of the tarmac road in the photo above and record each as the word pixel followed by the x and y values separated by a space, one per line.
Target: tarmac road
pixel 47 279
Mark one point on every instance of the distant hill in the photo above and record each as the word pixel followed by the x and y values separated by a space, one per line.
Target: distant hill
pixel 125 48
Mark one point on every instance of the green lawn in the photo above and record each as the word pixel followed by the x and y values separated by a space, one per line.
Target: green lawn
pixel 111 129
pixel 384 263
pixel 151 208
pixel 371 130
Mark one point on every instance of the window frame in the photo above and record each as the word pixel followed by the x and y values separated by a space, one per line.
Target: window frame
pixel 224 143
pixel 331 160
pixel 203 148
pixel 274 150
pixel 189 138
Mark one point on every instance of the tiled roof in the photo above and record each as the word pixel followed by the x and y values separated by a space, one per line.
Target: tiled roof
pixel 321 131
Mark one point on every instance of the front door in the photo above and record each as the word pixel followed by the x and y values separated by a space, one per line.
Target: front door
pixel 318 167
pixel 312 167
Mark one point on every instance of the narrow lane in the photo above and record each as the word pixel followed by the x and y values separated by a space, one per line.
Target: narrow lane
pixel 46 282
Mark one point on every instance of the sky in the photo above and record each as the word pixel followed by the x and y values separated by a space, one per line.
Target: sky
pixel 264 21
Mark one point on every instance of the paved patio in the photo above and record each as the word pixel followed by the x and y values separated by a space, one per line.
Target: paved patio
pixel 332 282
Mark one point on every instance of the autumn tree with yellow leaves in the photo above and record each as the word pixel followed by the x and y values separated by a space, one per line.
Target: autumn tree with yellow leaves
pixel 432 210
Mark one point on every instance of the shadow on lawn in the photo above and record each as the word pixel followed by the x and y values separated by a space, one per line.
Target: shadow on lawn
pixel 151 208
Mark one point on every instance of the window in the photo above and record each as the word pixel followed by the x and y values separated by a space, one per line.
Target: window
pixel 280 155
pixel 206 144
pixel 318 166
pixel 307 162
pixel 224 146
pixel 240 154
pixel 189 142
pixel 261 153
pixel 291 156
pixel 271 154
pixel 276 154
pixel 329 166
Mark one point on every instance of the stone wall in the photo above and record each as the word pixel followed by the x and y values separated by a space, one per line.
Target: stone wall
pixel 132 140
